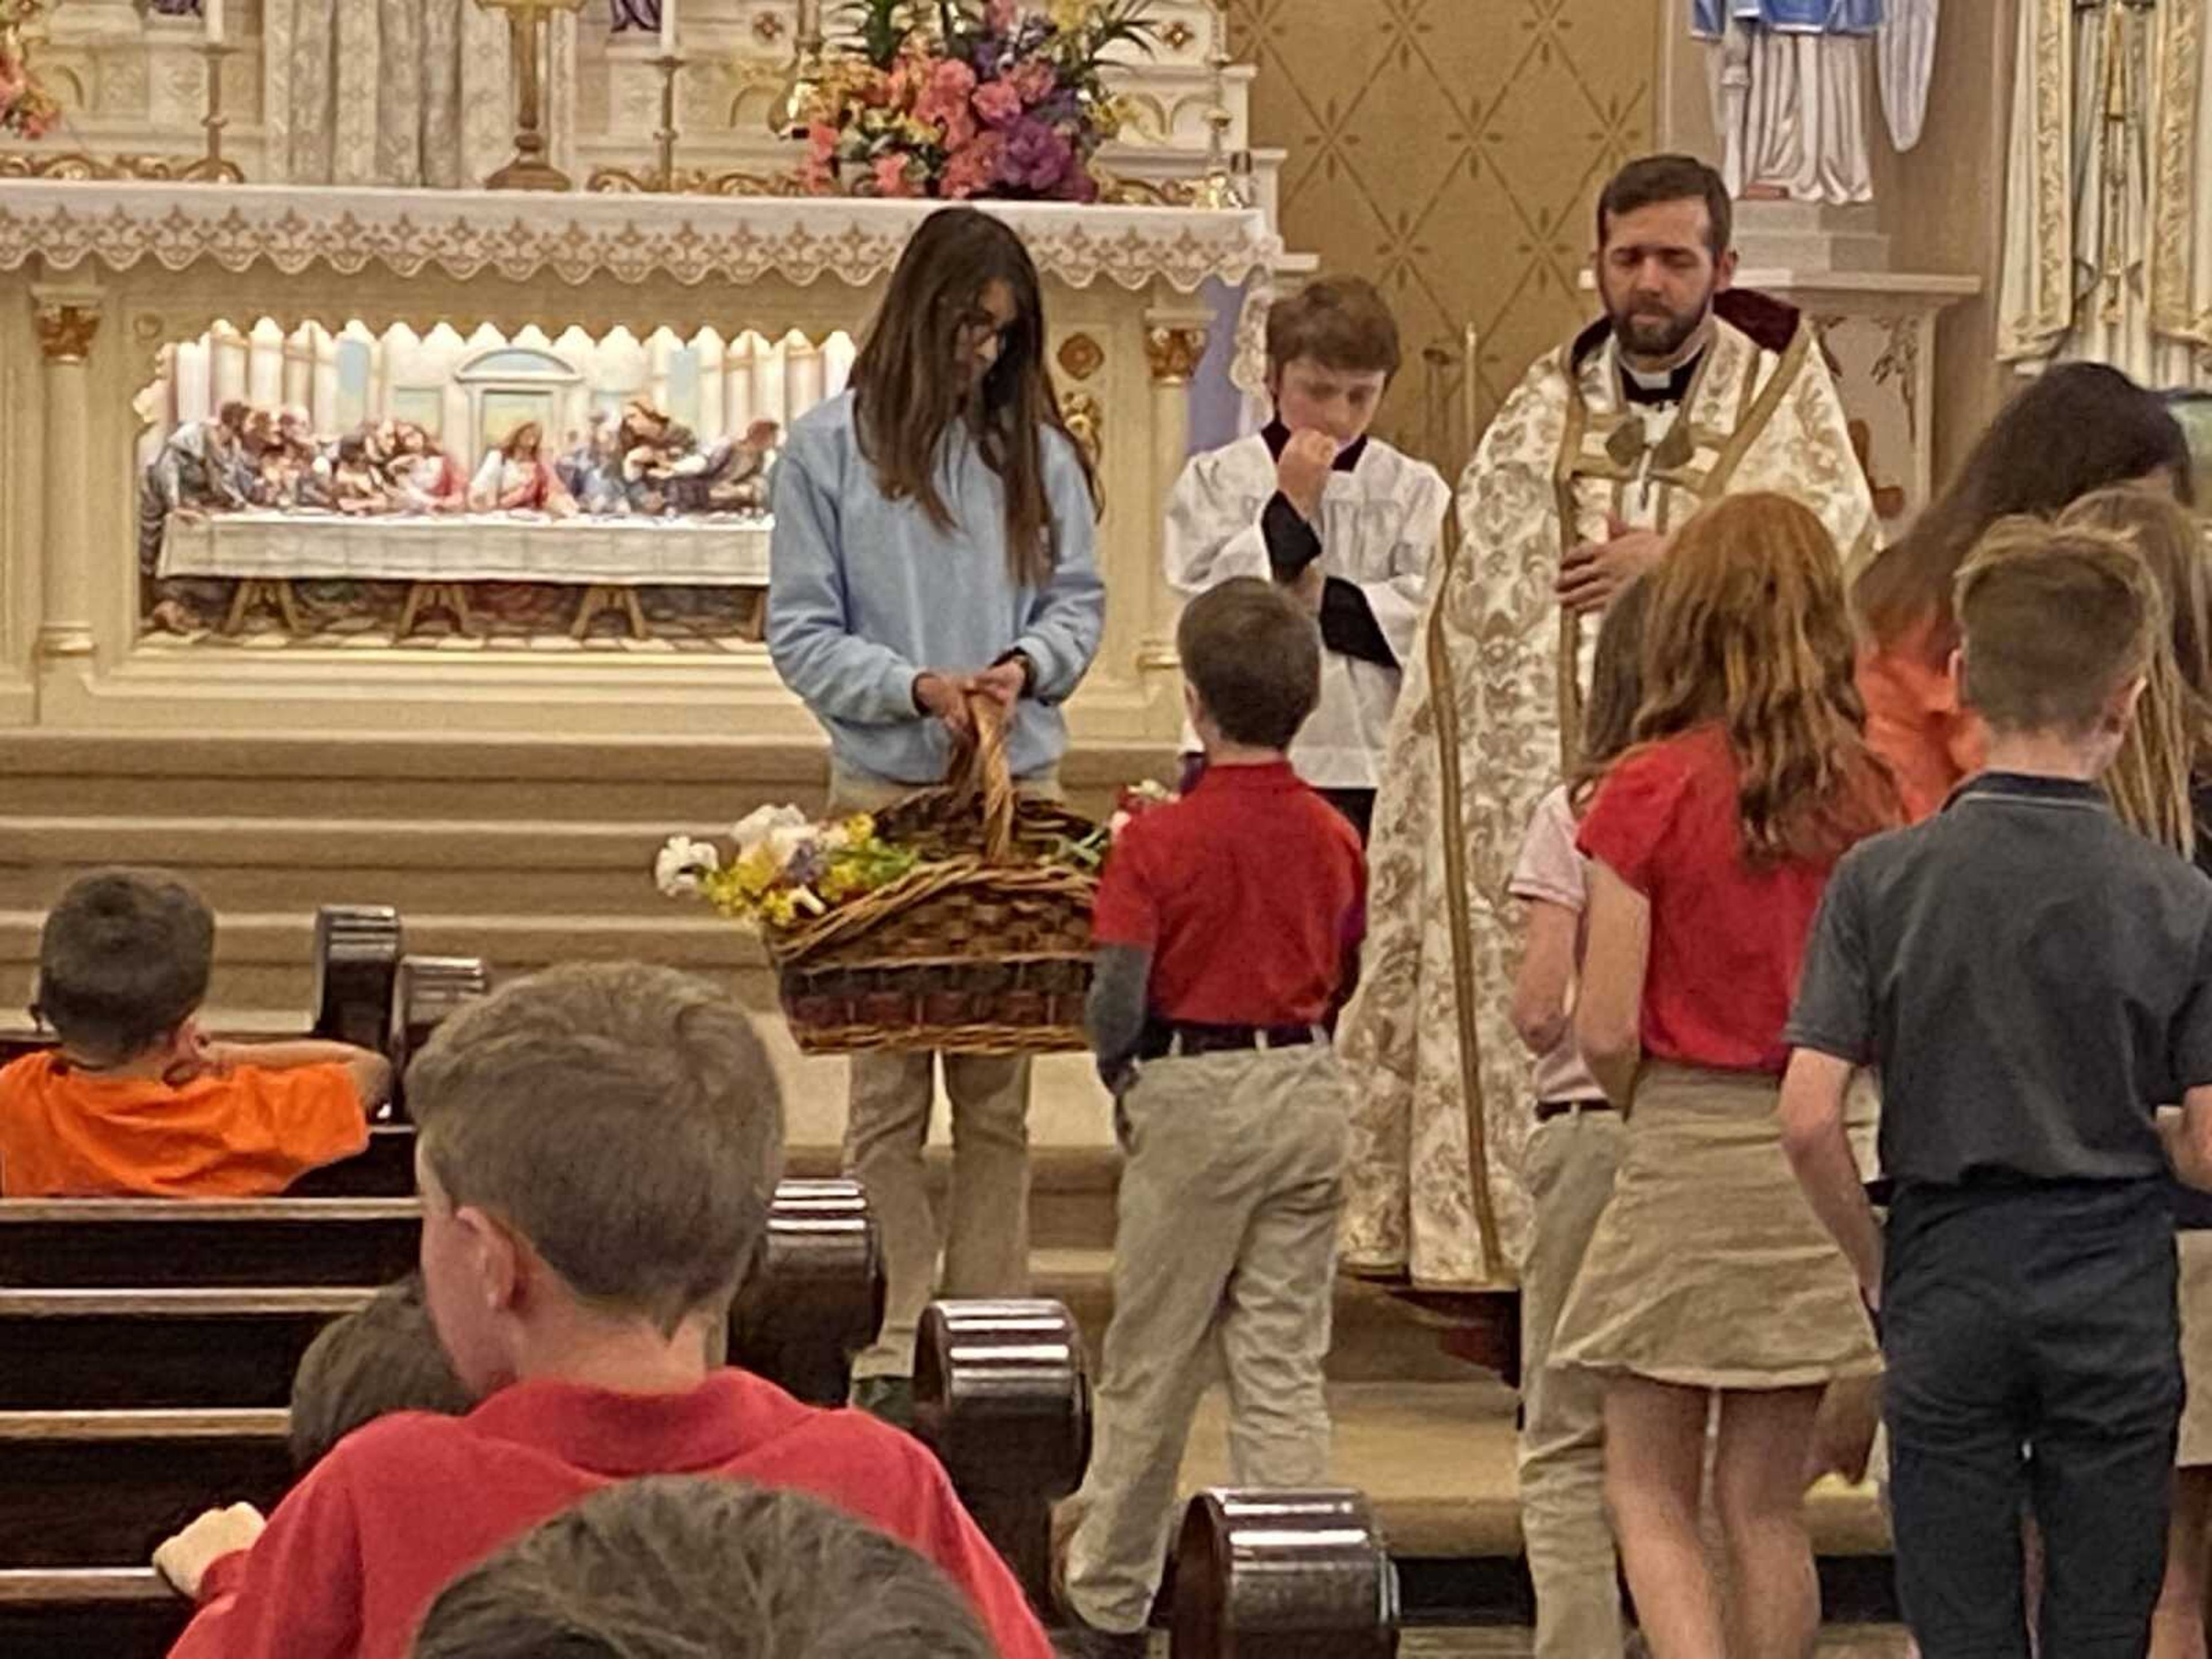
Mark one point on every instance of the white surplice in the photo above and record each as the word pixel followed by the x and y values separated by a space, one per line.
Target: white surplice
pixel 1380 523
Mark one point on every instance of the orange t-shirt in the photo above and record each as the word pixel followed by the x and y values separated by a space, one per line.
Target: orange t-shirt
pixel 1914 720
pixel 70 1133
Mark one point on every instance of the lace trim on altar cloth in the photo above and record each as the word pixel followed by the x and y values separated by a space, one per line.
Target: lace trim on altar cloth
pixel 691 239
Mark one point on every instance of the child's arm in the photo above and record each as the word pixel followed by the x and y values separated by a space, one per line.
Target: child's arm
pixel 369 1072
pixel 833 670
pixel 2188 1137
pixel 1608 1014
pixel 1541 1015
pixel 1116 1011
pixel 1211 535
pixel 1820 1151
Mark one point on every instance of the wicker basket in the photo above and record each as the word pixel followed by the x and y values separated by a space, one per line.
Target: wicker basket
pixel 981 949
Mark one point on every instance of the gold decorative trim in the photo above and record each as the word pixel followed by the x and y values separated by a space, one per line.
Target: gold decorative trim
pixel 1443 698
pixel 1081 356
pixel 1760 411
pixel 695 181
pixel 1086 424
pixel 1174 354
pixel 66 329
pixel 2177 151
pixel 1568 668
pixel 76 165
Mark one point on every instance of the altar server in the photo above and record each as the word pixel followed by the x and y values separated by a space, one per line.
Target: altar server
pixel 1341 518
pixel 934 531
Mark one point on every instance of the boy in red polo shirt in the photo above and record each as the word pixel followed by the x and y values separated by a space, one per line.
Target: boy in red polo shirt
pixel 1225 926
pixel 596 1149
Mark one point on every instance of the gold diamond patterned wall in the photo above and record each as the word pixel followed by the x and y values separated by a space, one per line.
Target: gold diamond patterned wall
pixel 1451 150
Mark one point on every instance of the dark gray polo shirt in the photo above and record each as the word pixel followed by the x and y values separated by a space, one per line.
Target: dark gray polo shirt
pixel 2032 979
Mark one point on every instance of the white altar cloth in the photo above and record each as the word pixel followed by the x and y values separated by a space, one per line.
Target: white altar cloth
pixel 524 237
pixel 478 548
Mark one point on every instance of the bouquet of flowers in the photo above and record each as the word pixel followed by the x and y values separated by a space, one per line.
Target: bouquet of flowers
pixel 1132 803
pixel 26 108
pixel 957 98
pixel 786 869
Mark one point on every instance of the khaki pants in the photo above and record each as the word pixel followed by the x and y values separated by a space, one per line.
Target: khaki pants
pixel 1225 1250
pixel 1564 1524
pixel 890 1099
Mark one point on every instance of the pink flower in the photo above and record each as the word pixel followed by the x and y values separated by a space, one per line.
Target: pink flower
pixel 891 177
pixel 997 103
pixel 943 101
pixel 969 170
pixel 821 143
pixel 1002 16
pixel 1035 79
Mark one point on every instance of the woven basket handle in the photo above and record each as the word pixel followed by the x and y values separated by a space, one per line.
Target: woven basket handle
pixel 981 768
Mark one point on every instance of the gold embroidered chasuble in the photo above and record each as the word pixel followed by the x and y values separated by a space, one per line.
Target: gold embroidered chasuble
pixel 1442 1081
pixel 2108 218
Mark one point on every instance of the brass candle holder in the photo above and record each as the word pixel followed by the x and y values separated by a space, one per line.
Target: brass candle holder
pixel 663 179
pixel 526 31
pixel 211 168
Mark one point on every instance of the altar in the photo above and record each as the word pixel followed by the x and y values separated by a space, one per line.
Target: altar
pixel 145 308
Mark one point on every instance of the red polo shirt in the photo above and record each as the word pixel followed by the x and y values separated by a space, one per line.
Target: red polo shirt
pixel 1249 892
pixel 354 1556
pixel 1727 939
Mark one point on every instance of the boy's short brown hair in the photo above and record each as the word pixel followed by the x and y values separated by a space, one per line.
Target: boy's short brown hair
pixel 624 1119
pixel 2055 621
pixel 123 960
pixel 1254 658
pixel 361 1366
pixel 675 1566
pixel 1342 323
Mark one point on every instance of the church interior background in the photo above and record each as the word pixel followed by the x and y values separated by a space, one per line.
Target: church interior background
pixel 481 683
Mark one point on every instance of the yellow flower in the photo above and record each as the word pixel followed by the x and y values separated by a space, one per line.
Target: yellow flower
pixel 860 830
pixel 779 909
pixel 756 872
pixel 1069 15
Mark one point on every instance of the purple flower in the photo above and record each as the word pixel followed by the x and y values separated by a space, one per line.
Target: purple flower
pixel 1036 158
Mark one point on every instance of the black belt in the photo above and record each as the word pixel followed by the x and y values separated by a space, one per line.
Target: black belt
pixel 1549 1109
pixel 1162 1038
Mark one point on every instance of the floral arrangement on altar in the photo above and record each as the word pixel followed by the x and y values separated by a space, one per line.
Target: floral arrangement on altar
pixel 26 108
pixel 960 99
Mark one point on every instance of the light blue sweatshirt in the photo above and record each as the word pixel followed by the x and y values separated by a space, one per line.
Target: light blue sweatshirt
pixel 865 594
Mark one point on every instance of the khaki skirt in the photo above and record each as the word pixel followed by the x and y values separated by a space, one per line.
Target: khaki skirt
pixel 1708 1268
pixel 2196 1251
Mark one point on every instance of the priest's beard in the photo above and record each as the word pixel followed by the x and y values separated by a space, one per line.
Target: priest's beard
pixel 1648 329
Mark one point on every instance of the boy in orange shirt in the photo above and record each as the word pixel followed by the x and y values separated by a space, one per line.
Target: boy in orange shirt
pixel 136 1100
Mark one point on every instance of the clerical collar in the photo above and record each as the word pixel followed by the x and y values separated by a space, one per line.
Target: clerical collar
pixel 1669 385
pixel 1279 437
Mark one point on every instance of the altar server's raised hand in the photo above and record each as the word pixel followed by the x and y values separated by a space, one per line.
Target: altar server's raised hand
pixel 1302 472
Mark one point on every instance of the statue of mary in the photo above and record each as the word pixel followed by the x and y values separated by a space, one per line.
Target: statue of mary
pixel 1789 92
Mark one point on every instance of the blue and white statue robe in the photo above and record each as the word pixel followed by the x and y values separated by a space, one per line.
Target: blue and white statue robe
pixel 1708 19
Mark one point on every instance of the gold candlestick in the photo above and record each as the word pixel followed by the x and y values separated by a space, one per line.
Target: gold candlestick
pixel 211 168
pixel 1219 188
pixel 663 180
pixel 525 22
pixel 786 117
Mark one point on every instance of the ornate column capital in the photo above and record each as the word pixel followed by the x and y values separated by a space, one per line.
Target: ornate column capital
pixel 1173 353
pixel 66 325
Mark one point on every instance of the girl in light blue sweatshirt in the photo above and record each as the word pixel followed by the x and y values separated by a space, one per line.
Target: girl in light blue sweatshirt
pixel 935 538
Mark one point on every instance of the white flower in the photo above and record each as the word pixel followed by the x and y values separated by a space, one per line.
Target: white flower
pixel 761 824
pixel 677 868
pixel 785 841
pixel 837 837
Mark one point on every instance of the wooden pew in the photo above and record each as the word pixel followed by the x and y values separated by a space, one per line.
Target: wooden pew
pixel 385 1170
pixel 176 1348
pixel 1283 1575
pixel 113 1243
pixel 1002 1394
pixel 95 1613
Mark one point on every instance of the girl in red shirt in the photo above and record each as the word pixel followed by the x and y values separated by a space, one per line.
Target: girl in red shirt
pixel 2077 428
pixel 1711 841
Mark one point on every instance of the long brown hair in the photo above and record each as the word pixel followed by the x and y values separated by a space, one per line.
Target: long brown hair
pixel 2169 744
pixel 2076 427
pixel 1749 628
pixel 909 389
pixel 1616 690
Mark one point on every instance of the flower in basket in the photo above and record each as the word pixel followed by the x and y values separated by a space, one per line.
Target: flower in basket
pixel 959 98
pixel 1132 803
pixel 785 868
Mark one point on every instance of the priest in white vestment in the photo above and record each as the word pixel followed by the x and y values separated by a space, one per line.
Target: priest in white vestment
pixel 2108 218
pixel 1604 449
